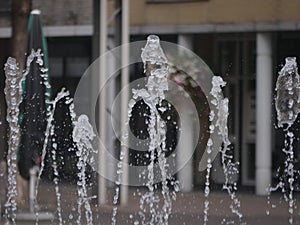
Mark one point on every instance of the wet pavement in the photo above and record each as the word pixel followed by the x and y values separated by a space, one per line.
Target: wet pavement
pixel 187 209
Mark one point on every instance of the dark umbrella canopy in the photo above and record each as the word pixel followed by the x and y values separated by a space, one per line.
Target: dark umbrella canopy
pixel 33 108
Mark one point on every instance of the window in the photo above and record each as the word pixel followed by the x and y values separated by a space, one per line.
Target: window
pixel 69 57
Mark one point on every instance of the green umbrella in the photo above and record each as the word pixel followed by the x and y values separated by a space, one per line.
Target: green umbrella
pixel 36 92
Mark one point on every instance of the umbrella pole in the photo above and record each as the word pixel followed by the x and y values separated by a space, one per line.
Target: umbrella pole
pixel 32 185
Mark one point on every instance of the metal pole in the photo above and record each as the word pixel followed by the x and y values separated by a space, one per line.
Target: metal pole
pixel 125 96
pixel 102 103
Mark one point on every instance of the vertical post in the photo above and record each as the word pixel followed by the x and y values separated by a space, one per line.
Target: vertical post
pixel 186 40
pixel 32 183
pixel 102 103
pixel 110 135
pixel 96 30
pixel 185 175
pixel 125 96
pixel 263 111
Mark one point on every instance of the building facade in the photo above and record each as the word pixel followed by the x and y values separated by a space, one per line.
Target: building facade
pixel 245 42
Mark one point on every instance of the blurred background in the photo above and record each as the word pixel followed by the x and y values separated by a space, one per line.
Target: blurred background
pixel 245 42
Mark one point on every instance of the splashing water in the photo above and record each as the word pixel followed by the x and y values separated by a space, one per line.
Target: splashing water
pixel 48 133
pixel 219 124
pixel 156 68
pixel 117 189
pixel 208 171
pixel 287 107
pixel 83 134
pixel 156 64
pixel 13 93
pixel 288 93
pixel 13 98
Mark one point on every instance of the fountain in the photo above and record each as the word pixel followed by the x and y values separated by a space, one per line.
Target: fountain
pixel 288 108
pixel 156 68
pixel 83 134
pixel 155 208
pixel 13 99
pixel 49 132
pixel 13 93
pixel 218 124
pixel 161 188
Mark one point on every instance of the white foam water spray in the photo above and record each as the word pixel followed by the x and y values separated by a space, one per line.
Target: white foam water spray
pixel 287 106
pixel 13 93
pixel 83 136
pixel 49 132
pixel 156 68
pixel 218 120
pixel 13 98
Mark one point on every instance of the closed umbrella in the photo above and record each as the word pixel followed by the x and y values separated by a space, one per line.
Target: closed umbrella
pixel 33 108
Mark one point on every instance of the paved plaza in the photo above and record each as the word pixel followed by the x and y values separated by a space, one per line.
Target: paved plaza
pixel 187 209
